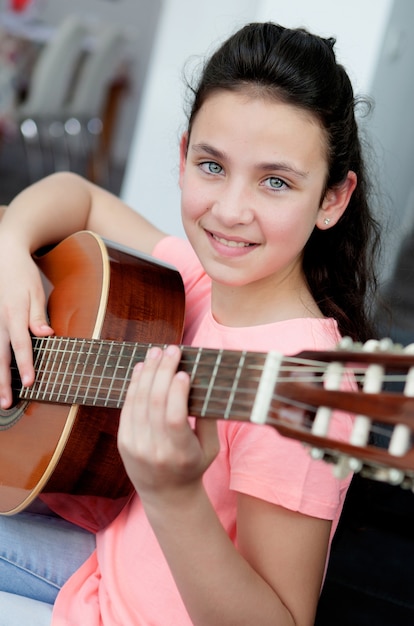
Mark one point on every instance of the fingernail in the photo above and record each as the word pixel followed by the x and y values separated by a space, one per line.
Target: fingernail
pixel 154 352
pixel 171 350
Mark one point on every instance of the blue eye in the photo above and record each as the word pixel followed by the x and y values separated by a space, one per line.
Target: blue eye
pixel 275 183
pixel 211 167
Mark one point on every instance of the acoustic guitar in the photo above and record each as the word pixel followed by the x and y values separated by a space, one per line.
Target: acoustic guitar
pixel 107 304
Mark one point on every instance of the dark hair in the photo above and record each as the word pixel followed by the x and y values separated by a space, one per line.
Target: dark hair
pixel 298 68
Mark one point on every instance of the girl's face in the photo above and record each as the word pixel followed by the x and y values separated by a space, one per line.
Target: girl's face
pixel 252 173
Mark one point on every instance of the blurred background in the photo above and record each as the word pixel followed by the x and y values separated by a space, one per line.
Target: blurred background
pixel 98 86
pixel 71 81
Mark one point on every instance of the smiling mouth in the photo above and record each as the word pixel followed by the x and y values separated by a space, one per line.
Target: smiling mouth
pixel 231 243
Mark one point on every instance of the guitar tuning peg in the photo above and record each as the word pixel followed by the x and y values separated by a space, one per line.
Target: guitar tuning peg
pixel 395 476
pixel 355 465
pixel 372 345
pixel 316 453
pixel 342 468
pixel 400 441
pixel 348 344
pixel 381 345
pixel 345 343
pixel 386 344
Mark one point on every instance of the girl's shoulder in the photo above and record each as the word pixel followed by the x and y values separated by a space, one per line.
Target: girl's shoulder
pixel 288 337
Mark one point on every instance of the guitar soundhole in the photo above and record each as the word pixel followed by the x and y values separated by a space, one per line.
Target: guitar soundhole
pixel 8 417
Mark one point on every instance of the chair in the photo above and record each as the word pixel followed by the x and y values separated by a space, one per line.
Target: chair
pixel 54 71
pixel 84 109
pixel 98 70
pixel 49 88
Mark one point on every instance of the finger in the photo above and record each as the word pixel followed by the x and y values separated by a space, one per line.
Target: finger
pixel 166 369
pixel 21 343
pixel 139 389
pixel 5 373
pixel 177 401
pixel 22 310
pixel 38 322
pixel 127 424
pixel 14 338
pixel 144 410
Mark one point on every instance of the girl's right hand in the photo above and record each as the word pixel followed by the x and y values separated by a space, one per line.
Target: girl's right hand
pixel 22 309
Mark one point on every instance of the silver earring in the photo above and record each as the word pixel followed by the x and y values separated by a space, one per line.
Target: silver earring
pixel 326 220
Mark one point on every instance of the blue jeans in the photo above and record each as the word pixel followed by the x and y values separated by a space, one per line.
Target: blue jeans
pixel 38 553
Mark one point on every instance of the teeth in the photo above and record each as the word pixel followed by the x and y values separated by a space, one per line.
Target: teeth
pixel 231 244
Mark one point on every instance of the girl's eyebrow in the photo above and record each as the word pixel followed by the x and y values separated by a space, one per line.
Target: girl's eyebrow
pixel 205 147
pixel 284 167
pixel 268 167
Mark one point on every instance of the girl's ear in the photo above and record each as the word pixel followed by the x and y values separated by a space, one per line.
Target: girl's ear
pixel 335 202
pixel 183 156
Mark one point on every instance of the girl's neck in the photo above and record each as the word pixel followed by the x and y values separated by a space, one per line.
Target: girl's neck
pixel 244 306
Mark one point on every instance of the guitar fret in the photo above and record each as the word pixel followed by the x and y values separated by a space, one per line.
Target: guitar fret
pixel 88 354
pixel 55 374
pixel 211 383
pixel 35 391
pixel 71 374
pixel 234 386
pixel 116 374
pixel 195 365
pixel 125 379
pixel 109 396
pixel 119 376
pixel 106 356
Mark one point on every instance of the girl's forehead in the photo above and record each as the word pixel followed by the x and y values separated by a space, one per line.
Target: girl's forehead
pixel 249 103
pixel 251 118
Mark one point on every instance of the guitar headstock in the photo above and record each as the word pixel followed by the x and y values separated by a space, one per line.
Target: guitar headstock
pixel 381 400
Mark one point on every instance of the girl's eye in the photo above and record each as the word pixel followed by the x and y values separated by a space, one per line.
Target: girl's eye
pixel 275 183
pixel 211 167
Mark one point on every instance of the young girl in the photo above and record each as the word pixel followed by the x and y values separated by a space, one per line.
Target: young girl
pixel 231 523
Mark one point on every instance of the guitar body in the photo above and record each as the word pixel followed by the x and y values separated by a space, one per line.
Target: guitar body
pixel 94 290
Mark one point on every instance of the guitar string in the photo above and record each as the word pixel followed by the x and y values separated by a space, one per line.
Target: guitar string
pixel 292 374
pixel 97 349
pixel 243 410
pixel 317 367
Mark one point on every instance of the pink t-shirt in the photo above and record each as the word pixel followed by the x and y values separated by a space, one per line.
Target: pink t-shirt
pixel 126 581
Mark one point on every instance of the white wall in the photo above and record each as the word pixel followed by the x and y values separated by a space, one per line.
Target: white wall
pixel 392 128
pixel 186 31
pixel 189 28
pixel 357 25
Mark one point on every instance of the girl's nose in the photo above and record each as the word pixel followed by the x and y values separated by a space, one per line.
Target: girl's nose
pixel 233 205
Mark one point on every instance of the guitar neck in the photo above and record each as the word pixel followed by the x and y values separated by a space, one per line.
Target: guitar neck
pixel 93 372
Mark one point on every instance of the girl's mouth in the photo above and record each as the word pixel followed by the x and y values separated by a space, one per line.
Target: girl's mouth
pixel 230 243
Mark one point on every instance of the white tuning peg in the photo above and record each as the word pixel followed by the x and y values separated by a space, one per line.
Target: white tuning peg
pixel 400 441
pixel 342 468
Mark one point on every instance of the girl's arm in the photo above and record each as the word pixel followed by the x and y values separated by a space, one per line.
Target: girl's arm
pixel 65 203
pixel 275 575
pixel 44 214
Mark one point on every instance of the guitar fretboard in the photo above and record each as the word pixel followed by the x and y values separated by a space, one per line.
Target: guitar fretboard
pixel 97 372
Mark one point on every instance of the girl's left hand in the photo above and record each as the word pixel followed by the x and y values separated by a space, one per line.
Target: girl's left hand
pixel 162 454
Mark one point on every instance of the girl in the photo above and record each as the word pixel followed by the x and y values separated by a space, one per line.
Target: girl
pixel 231 523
